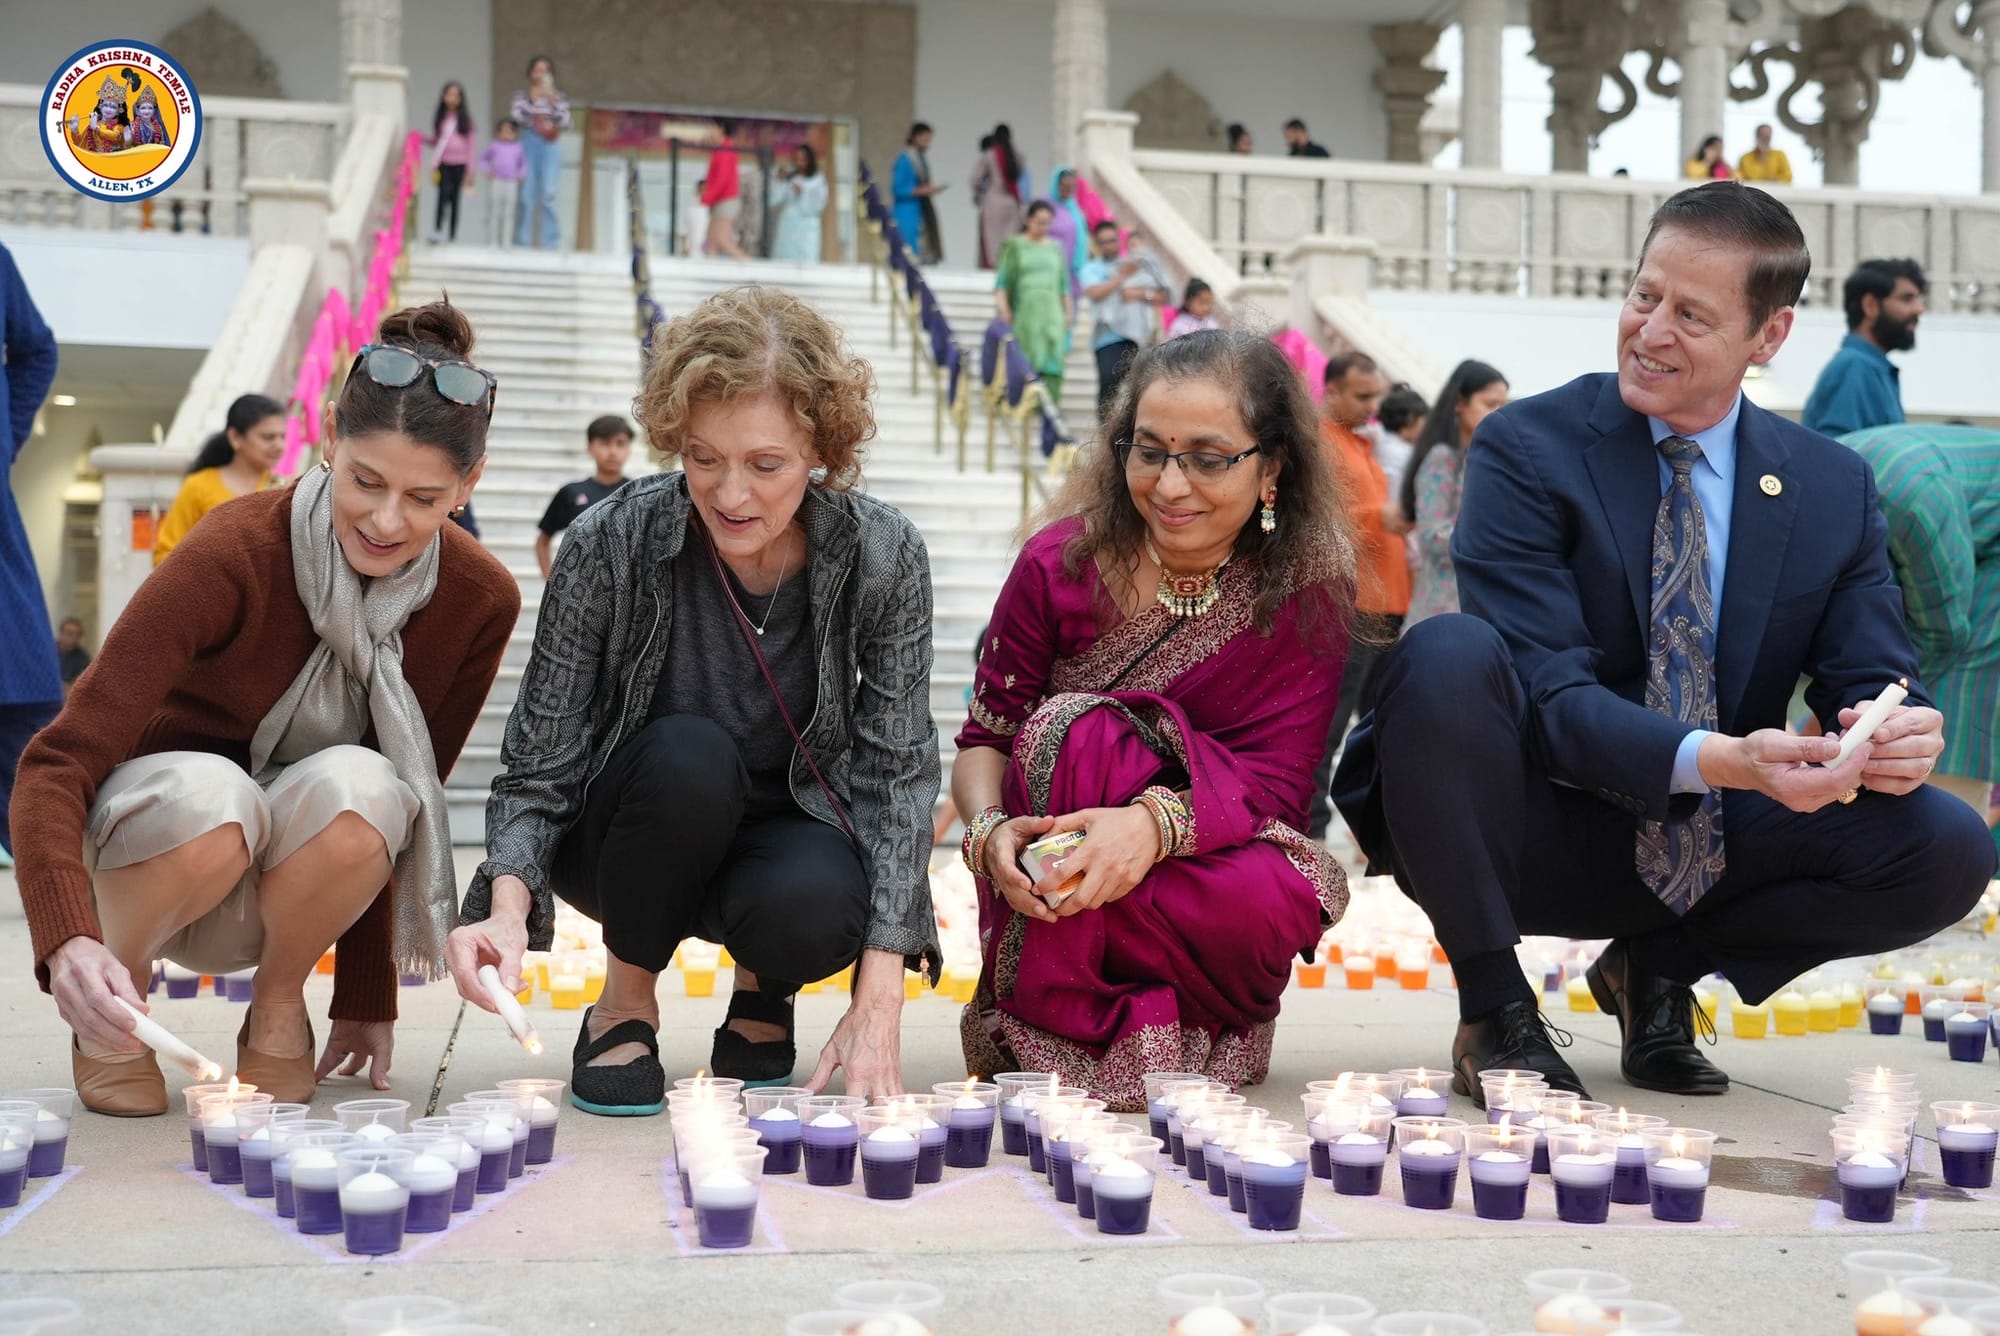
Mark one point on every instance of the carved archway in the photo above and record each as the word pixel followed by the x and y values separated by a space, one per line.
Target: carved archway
pixel 1172 114
pixel 223 60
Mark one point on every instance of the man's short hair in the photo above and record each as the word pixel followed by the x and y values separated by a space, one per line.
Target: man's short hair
pixel 1340 364
pixel 1296 124
pixel 77 622
pixel 1730 213
pixel 1103 223
pixel 607 427
pixel 1877 279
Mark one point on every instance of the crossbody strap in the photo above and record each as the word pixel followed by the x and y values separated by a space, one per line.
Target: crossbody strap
pixel 771 681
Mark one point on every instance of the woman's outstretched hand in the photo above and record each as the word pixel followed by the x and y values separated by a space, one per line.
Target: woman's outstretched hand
pixel 868 1042
pixel 499 940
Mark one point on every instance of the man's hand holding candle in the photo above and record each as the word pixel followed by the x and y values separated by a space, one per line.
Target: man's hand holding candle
pixel 1904 749
pixel 1783 766
pixel 499 940
pixel 84 977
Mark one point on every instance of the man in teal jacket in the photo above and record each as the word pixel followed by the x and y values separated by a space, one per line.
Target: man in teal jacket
pixel 1861 387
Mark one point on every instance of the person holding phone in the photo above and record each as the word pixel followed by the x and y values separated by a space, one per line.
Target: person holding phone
pixel 543 112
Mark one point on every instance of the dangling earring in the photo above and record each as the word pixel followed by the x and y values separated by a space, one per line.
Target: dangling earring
pixel 1268 521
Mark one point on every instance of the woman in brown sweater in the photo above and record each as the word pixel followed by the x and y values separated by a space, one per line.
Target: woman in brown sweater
pixel 260 745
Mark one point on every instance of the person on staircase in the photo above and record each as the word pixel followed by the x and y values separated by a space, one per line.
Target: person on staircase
pixel 725 730
pixel 801 205
pixel 1126 293
pixel 722 196
pixel 252 770
pixel 915 193
pixel 1000 191
pixel 544 111
pixel 608 440
pixel 453 149
pixel 1032 290
pixel 234 462
pixel 1159 673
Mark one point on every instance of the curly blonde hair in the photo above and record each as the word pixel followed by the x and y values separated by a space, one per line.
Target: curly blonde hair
pixel 749 341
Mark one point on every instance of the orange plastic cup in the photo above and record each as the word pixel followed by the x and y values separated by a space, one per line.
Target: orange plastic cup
pixel 1333 953
pixel 1361 974
pixel 1415 980
pixel 1385 961
pixel 325 965
pixel 1312 976
pixel 1438 957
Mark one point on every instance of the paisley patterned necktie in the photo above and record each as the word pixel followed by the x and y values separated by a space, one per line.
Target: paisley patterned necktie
pixel 1681 858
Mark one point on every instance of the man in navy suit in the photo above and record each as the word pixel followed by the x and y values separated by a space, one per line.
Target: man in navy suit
pixel 1647 564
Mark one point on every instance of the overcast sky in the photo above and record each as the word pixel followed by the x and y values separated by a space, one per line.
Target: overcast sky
pixel 1925 138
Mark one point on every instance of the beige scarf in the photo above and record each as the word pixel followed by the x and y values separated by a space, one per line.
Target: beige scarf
pixel 354 677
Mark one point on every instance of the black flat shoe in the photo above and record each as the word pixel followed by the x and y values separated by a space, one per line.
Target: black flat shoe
pixel 1513 1035
pixel 1657 1019
pixel 636 1089
pixel 768 1063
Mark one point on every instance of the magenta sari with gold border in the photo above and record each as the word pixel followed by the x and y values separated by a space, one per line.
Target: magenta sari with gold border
pixel 1184 973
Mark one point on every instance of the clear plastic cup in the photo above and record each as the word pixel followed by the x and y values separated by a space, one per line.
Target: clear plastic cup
pixel 1986 1317
pixel 1123 1171
pixel 699 1141
pixel 386 1116
pixel 727 1086
pixel 544 1095
pixel 17 1145
pixel 218 1132
pixel 310 1162
pixel 254 1124
pixel 524 1106
pixel 1564 1296
pixel 389 1314
pixel 1582 1163
pixel 1427 1324
pixel 461 1136
pixel 1156 1108
pixel 1625 1315
pixel 974 1109
pixel 889 1140
pixel 1368 1084
pixel 281 1167
pixel 1967 1136
pixel 825 1322
pixel 1290 1314
pixel 374 1197
pixel 36 1316
pixel 1869 1165
pixel 1202 1292
pixel 1880 1078
pixel 1014 1109
pixel 500 1120
pixel 432 1180
pixel 1938 1296
pixel 1426 1092
pixel 1498 1161
pixel 832 1138
pixel 774 1112
pixel 911 1298
pixel 194 1095
pixel 726 1185
pixel 1274 1170
pixel 1429 1152
pixel 1678 1161
pixel 1875 1279
pixel 1031 1101
pixel 55 1105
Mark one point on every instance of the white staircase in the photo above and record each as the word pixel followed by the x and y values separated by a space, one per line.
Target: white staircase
pixel 557 332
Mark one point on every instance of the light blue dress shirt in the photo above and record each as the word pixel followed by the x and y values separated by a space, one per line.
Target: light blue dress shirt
pixel 1714 480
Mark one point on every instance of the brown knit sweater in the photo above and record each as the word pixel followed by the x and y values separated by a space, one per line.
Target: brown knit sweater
pixel 201 654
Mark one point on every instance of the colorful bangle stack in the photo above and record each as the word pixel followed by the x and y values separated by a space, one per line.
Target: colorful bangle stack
pixel 1170 813
pixel 977 832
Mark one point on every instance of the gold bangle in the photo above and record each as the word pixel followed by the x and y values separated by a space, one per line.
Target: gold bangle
pixel 1163 824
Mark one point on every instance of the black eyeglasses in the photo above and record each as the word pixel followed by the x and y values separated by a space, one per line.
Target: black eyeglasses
pixel 1149 461
pixel 397 368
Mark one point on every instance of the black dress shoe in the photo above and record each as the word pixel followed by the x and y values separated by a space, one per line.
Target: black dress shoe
pixel 1513 1035
pixel 1657 1019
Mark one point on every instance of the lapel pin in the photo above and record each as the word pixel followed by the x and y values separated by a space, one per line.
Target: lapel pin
pixel 1771 485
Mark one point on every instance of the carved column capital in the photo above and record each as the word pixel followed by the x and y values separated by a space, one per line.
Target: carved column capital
pixel 1847 53
pixel 1406 83
pixel 1582 43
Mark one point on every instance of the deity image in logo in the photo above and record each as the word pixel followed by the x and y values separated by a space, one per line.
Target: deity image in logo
pixel 148 128
pixel 110 127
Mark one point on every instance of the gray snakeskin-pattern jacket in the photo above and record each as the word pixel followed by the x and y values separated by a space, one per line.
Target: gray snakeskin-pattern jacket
pixel 600 645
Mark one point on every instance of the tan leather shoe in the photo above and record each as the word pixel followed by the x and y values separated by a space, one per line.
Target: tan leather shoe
pixel 119 1087
pixel 286 1080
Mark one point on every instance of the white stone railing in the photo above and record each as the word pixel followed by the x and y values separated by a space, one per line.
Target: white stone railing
pixel 1560 235
pixel 242 139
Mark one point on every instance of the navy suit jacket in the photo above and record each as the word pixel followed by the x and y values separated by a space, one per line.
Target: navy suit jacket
pixel 1553 547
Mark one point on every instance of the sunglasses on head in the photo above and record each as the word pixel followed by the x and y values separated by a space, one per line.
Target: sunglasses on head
pixel 397 368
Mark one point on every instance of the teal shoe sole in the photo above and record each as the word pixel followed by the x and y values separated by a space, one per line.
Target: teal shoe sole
pixel 617 1110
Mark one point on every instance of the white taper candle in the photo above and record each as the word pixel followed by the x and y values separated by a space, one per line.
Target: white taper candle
pixel 1871 719
pixel 509 1008
pixel 170 1046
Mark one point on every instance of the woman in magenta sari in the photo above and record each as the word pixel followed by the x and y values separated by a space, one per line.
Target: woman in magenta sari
pixel 1156 667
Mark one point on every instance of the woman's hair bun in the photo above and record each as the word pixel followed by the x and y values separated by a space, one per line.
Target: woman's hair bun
pixel 435 326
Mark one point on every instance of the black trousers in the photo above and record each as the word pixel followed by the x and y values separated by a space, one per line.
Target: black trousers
pixel 1374 636
pixel 1113 361
pixel 451 180
pixel 663 852
pixel 1450 787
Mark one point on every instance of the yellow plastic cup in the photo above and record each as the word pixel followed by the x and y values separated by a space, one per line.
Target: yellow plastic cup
pixel 699 982
pixel 913 985
pixel 566 991
pixel 1580 999
pixel 724 960
pixel 1792 1013
pixel 964 989
pixel 1748 1022
pixel 593 985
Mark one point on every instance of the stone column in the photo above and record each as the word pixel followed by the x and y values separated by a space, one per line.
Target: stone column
pixel 1704 61
pixel 1406 83
pixel 1479 25
pixel 1976 45
pixel 371 57
pixel 1081 82
pixel 1582 43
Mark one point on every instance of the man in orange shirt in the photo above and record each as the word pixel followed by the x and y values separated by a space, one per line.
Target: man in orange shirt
pixel 1353 390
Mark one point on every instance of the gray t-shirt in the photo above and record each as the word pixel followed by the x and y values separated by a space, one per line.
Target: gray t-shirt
pixel 710 671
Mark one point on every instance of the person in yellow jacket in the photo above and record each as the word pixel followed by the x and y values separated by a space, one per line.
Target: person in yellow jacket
pixel 1764 163
pixel 233 462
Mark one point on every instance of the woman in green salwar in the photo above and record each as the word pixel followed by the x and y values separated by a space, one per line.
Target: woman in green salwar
pixel 1033 293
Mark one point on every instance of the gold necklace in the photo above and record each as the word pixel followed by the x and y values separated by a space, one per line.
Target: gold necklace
pixel 1186 595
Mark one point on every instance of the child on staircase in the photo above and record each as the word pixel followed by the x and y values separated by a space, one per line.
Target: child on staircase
pixel 609 441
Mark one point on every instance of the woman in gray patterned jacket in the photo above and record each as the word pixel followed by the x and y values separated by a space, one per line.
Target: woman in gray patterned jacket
pixel 725 729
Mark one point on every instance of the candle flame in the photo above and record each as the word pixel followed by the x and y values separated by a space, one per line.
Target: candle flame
pixel 535 1047
pixel 1678 1146
pixel 234 1084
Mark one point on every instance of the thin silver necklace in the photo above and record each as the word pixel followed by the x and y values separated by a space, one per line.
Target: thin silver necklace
pixel 769 608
